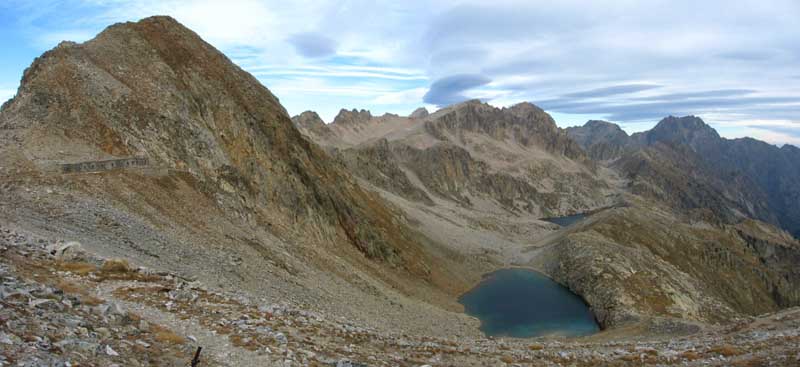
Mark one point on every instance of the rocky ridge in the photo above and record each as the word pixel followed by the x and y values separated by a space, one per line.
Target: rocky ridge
pixel 749 178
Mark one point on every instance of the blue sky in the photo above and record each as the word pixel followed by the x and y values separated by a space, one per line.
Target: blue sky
pixel 734 62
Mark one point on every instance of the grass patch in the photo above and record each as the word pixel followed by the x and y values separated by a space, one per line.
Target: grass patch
pixel 82 293
pixel 164 335
pixel 79 268
pixel 115 266
pixel 690 355
pixel 726 350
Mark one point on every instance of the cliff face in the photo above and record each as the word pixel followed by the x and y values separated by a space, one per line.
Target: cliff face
pixel 686 162
pixel 309 123
pixel 600 139
pixel 352 118
pixel 523 123
pixel 513 160
pixel 642 261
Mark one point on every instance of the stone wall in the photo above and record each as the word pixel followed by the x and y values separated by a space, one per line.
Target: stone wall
pixel 106 165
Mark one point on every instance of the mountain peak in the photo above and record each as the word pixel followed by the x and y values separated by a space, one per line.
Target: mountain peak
pixel 790 148
pixel 467 104
pixel 526 107
pixel 308 119
pixel 603 140
pixel 600 124
pixel 688 129
pixel 309 122
pixel 419 113
pixel 687 123
pixel 352 117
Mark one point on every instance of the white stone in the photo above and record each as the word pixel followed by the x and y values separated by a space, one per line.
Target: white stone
pixel 110 351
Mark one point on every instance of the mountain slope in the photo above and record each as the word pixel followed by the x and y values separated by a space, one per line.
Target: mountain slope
pixel 600 139
pixel 229 175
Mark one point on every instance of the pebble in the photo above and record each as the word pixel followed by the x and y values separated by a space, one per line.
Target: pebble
pixel 111 351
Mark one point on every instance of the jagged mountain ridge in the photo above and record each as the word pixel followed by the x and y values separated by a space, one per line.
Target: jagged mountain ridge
pixel 515 157
pixel 756 179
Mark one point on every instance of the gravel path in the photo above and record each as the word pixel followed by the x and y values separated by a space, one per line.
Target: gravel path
pixel 215 345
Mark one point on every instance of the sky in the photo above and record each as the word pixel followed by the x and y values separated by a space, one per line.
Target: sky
pixel 732 62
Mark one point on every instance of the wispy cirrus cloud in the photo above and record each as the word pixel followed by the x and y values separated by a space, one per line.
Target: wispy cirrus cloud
pixel 312 44
pixel 451 89
pixel 579 59
pixel 612 90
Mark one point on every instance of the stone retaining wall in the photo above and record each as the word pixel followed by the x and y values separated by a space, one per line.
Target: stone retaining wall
pixel 107 165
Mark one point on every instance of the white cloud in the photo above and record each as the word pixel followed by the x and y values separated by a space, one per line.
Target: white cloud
pixel 51 39
pixel 336 74
pixel 388 53
pixel 410 96
pixel 769 136
pixel 223 23
pixel 6 94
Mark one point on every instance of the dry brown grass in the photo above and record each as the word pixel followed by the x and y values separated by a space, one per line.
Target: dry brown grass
pixel 79 268
pixel 112 266
pixel 119 269
pixel 651 352
pixel 754 361
pixel 83 294
pixel 690 355
pixel 507 359
pixel 536 347
pixel 71 288
pixel 726 350
pixel 250 344
pixel 91 300
pixel 164 335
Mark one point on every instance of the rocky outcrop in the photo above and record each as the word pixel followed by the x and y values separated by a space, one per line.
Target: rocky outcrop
pixel 600 139
pixel 309 123
pixel 352 118
pixel 523 123
pixel 680 178
pixel 634 263
pixel 689 130
pixel 377 164
pixel 764 172
pixel 419 113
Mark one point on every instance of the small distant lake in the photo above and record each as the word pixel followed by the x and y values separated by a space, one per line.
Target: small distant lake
pixel 523 303
pixel 566 221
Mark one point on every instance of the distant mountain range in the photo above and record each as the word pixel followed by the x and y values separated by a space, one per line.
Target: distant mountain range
pixel 743 177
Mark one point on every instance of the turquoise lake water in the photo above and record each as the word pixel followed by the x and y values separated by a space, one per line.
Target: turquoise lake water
pixel 567 220
pixel 522 303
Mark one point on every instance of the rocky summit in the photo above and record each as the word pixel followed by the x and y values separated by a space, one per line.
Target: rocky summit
pixel 158 205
